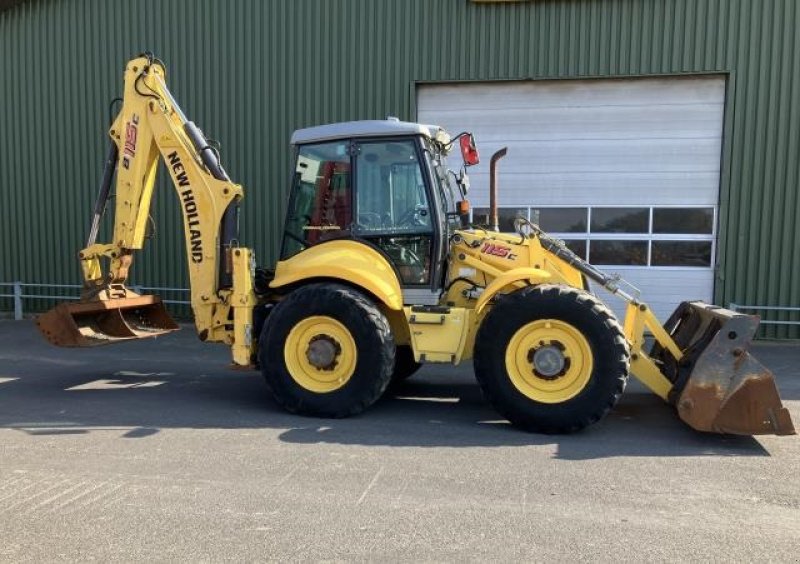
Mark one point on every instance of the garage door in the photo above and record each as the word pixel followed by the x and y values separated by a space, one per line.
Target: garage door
pixel 625 171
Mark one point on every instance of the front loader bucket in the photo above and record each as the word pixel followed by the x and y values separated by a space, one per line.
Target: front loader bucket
pixel 92 323
pixel 719 386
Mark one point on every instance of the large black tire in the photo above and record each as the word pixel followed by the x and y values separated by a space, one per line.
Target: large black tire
pixel 404 364
pixel 572 308
pixel 370 332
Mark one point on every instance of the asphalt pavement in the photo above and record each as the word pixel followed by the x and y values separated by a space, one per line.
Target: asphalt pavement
pixel 156 451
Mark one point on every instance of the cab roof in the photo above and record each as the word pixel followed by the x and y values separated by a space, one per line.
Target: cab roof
pixel 364 128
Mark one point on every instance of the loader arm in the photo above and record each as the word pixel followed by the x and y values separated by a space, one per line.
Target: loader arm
pixel 697 361
pixel 151 126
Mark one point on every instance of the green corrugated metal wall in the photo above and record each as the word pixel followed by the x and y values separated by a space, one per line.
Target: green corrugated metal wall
pixel 251 71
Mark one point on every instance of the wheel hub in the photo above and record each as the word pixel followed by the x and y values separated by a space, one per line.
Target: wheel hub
pixel 548 361
pixel 322 352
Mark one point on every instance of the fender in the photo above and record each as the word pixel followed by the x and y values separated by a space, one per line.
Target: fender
pixel 347 260
pixel 518 277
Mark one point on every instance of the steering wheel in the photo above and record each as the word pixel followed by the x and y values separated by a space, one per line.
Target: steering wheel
pixel 406 260
pixel 412 217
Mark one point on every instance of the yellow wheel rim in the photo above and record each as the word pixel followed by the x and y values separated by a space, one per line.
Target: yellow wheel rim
pixel 549 361
pixel 320 354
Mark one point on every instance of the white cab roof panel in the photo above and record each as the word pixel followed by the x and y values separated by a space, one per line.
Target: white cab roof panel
pixel 364 128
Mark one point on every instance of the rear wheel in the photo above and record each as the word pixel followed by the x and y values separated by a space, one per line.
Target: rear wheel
pixel 552 359
pixel 326 351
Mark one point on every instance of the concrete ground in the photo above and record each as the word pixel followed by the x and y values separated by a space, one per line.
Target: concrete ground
pixel 156 451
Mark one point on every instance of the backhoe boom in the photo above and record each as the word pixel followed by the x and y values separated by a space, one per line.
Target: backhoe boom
pixel 151 126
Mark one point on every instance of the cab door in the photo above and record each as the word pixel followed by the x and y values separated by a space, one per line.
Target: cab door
pixel 393 208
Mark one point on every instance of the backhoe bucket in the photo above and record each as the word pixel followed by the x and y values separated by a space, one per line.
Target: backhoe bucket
pixel 719 386
pixel 92 323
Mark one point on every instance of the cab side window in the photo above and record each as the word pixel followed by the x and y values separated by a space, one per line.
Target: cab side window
pixel 321 202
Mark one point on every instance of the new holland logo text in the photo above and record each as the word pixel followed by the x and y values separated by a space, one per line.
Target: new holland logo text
pixel 189 207
pixel 498 251
pixel 129 150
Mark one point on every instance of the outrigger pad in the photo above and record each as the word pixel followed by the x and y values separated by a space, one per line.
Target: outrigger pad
pixel 102 322
pixel 727 390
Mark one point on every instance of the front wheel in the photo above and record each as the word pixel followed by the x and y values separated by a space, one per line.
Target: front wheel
pixel 552 359
pixel 327 351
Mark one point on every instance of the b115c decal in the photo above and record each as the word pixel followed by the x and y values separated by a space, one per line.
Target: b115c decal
pixel 498 251
pixel 129 151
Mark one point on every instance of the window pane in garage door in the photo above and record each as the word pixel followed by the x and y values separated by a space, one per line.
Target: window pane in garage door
pixel 681 253
pixel 506 217
pixel 620 220
pixel 577 246
pixel 632 253
pixel 683 220
pixel 560 220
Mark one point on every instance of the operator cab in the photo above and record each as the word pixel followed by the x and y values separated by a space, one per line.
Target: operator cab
pixel 384 183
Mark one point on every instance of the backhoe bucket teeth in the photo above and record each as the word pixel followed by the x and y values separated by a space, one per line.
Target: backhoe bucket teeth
pixel 102 322
pixel 720 387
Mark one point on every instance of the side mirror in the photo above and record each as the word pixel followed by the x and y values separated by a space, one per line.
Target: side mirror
pixel 469 151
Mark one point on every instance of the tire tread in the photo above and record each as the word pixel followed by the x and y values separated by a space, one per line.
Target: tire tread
pixel 581 299
pixel 307 298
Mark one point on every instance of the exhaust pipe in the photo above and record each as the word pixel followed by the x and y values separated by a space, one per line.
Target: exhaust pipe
pixel 494 221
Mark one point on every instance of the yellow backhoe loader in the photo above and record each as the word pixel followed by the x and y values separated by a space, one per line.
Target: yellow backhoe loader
pixel 381 270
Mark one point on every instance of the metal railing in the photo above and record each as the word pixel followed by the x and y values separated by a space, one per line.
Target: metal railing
pixel 740 307
pixel 19 293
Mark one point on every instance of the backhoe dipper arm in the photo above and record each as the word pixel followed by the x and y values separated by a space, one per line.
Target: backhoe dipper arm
pixel 151 125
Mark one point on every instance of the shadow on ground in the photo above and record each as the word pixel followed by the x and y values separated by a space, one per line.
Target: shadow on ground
pixel 176 382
